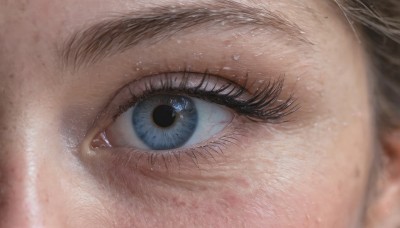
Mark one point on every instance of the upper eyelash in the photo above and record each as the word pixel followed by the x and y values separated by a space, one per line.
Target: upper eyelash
pixel 262 105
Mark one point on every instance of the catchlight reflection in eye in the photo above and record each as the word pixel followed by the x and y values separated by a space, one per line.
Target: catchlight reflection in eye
pixel 165 122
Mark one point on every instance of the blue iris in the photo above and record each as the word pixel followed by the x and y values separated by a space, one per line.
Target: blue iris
pixel 165 122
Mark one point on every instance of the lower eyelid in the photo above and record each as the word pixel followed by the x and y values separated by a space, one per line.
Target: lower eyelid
pixel 205 155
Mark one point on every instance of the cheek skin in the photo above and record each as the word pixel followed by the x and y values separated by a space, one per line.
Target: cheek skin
pixel 313 177
pixel 302 189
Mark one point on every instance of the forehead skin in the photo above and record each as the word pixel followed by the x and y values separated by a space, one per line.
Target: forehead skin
pixel 316 176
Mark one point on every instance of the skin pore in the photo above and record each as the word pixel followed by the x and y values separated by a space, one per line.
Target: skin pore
pixel 63 78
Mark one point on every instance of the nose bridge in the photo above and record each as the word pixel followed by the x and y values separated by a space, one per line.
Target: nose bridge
pixel 19 167
pixel 20 206
pixel 26 153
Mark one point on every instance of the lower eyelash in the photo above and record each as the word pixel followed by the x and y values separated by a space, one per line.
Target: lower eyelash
pixel 175 160
pixel 257 101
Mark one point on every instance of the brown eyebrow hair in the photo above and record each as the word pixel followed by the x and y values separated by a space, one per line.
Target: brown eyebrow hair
pixel 154 24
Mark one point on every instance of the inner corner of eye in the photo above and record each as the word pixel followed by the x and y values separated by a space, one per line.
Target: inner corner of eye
pixel 166 122
pixel 100 140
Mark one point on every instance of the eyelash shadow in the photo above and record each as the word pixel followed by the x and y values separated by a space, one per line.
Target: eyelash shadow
pixel 262 105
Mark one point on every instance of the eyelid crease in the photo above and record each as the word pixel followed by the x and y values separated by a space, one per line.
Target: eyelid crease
pixel 259 101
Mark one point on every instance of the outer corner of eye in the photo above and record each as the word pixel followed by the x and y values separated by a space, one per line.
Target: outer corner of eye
pixel 167 122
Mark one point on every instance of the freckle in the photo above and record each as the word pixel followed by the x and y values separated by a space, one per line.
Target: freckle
pixel 11 76
pixel 357 172
pixel 178 203
pixel 23 5
pixel 195 205
pixel 36 38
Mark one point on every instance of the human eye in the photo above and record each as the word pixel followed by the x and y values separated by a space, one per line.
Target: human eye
pixel 170 120
pixel 165 122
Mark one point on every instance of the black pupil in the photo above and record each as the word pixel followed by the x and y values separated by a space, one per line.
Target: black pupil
pixel 164 115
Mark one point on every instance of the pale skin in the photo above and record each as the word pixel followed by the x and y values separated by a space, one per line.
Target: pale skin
pixel 316 170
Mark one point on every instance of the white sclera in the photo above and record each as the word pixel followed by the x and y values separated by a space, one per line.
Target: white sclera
pixel 212 119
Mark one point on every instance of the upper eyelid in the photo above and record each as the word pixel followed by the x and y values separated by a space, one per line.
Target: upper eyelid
pixel 118 34
pixel 138 88
pixel 258 101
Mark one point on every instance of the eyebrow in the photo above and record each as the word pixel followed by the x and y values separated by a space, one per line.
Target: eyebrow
pixel 154 24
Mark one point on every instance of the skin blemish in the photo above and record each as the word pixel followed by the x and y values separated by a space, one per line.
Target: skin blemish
pixel 228 43
pixel 230 200
pixel 357 172
pixel 178 202
pixel 23 5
